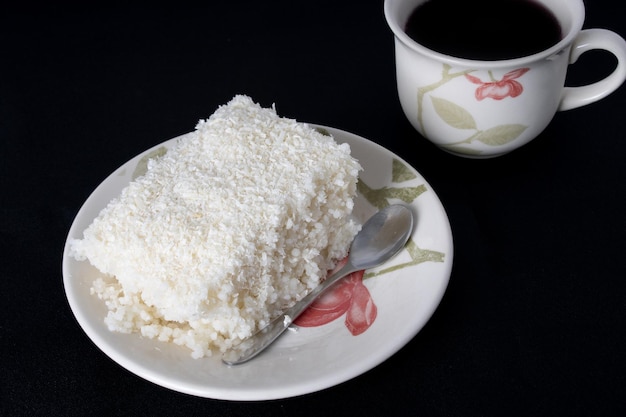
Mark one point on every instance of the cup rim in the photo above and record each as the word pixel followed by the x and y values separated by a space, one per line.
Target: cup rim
pixel 575 28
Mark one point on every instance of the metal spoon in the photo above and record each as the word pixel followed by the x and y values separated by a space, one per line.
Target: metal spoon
pixel 380 238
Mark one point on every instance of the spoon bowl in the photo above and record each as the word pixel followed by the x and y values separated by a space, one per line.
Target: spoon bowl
pixel 380 238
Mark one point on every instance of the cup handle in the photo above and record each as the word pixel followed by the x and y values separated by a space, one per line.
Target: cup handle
pixel 587 40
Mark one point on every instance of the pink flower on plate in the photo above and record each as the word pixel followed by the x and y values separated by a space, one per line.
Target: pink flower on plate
pixel 497 90
pixel 350 297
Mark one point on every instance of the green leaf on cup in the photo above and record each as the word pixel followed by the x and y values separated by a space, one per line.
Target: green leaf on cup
pixel 500 135
pixel 453 114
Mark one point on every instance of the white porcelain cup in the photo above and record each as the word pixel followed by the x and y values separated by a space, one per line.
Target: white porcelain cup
pixel 484 109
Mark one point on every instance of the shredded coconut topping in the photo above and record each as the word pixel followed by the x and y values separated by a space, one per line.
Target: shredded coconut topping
pixel 236 222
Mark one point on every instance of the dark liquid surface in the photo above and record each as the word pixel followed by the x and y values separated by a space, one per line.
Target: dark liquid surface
pixel 484 29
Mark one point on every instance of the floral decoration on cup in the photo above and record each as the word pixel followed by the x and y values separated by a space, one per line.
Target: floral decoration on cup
pixel 458 117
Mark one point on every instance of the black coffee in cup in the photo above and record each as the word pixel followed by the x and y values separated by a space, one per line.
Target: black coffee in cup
pixel 484 29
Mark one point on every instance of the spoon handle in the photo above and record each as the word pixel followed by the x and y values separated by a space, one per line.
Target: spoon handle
pixel 256 343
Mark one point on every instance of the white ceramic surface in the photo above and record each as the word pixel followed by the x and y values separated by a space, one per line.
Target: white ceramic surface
pixel 304 360
pixel 484 109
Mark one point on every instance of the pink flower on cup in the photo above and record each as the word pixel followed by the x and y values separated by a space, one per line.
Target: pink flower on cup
pixel 499 89
pixel 349 297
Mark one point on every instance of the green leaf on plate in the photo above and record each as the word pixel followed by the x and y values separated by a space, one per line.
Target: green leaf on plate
pixel 378 197
pixel 400 172
pixel 418 256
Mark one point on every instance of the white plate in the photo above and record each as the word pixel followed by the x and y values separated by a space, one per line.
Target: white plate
pixel 307 359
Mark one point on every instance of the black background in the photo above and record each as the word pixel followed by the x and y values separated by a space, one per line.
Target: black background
pixel 532 323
